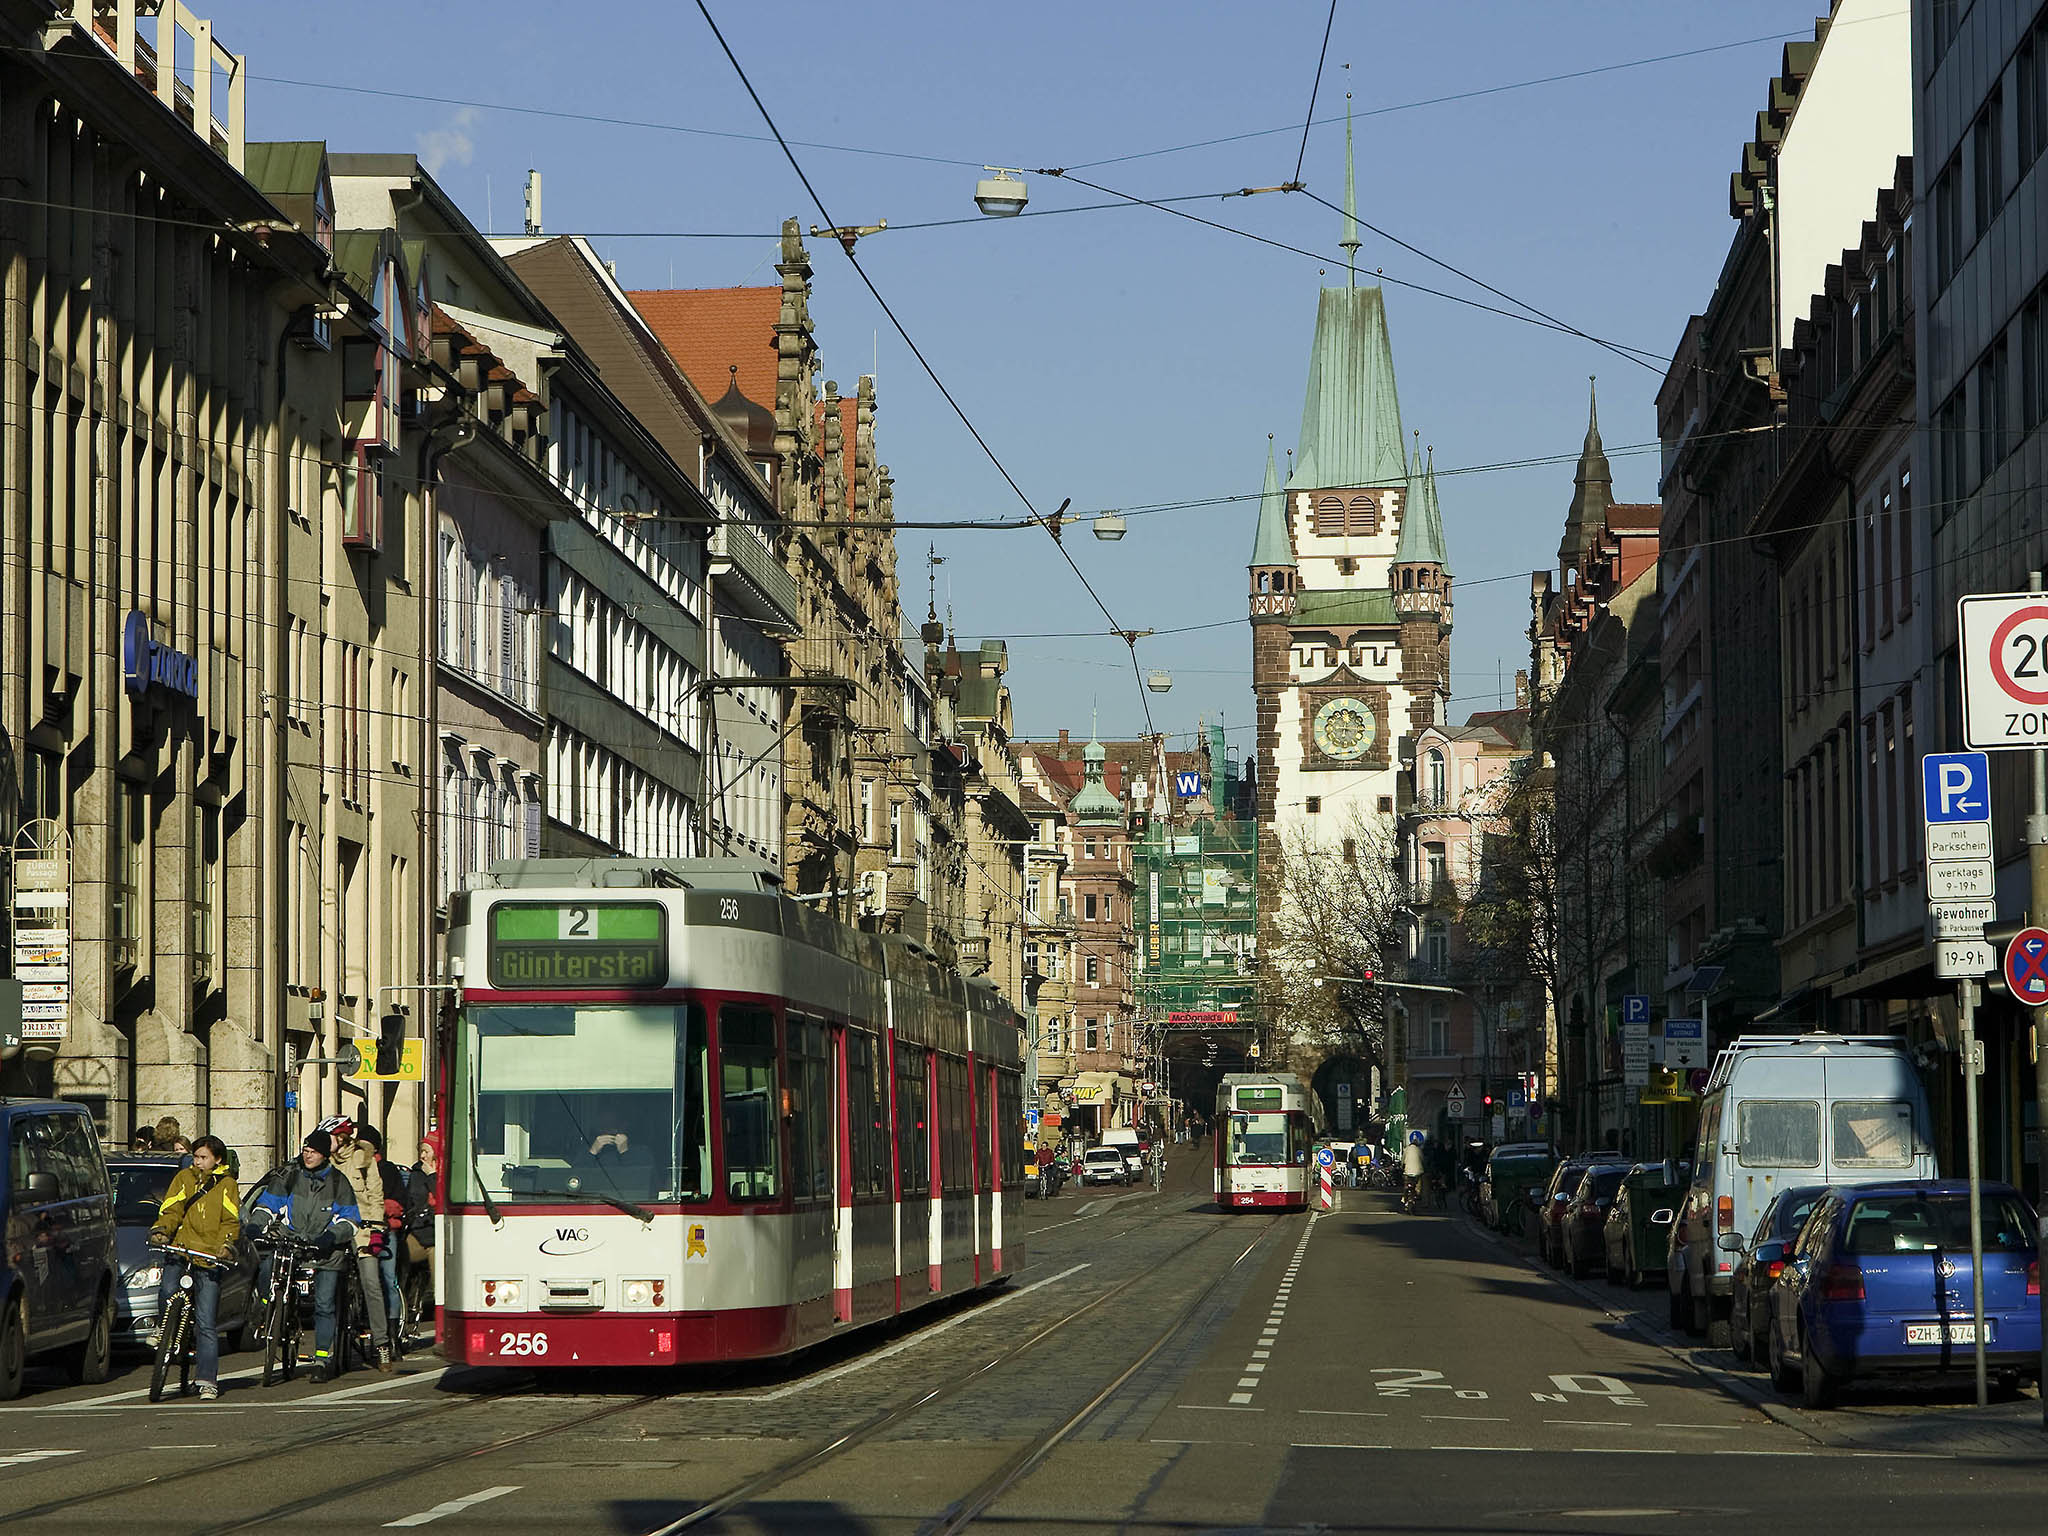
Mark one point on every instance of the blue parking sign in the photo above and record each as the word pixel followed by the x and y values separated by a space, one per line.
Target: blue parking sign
pixel 1956 786
pixel 1635 1008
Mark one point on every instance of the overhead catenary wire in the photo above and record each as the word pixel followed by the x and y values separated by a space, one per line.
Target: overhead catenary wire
pixel 1315 89
pixel 1051 524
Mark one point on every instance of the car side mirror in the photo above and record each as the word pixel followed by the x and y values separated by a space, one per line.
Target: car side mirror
pixel 1730 1242
pixel 1663 1217
pixel 41 1186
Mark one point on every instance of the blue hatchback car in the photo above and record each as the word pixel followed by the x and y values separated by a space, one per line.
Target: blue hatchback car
pixel 1879 1284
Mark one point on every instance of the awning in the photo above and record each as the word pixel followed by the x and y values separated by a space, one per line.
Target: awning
pixel 1894 976
pixel 1099 1087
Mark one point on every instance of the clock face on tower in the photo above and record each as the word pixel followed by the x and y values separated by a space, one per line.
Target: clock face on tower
pixel 1345 729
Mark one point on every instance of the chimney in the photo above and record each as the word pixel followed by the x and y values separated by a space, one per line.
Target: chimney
pixel 1521 688
pixel 1063 743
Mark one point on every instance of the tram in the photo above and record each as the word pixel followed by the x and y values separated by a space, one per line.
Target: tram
pixel 1264 1139
pixel 692 1120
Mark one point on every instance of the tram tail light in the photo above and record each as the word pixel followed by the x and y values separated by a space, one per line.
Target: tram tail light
pixel 501 1293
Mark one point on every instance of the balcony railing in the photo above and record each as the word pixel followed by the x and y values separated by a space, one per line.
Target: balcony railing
pixel 747 569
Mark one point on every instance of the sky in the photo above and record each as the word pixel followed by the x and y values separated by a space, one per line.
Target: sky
pixel 1124 358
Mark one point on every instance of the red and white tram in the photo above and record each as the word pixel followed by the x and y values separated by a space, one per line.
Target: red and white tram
pixel 690 1120
pixel 1264 1139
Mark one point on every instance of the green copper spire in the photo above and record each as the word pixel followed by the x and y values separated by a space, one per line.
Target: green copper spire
pixel 1350 242
pixel 1422 522
pixel 1094 805
pixel 1351 418
pixel 1270 545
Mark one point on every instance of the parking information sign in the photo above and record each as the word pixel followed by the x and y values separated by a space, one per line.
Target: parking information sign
pixel 1955 793
pixel 2005 670
pixel 1685 1043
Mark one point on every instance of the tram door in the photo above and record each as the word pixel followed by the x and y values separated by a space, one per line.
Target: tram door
pixel 842 1184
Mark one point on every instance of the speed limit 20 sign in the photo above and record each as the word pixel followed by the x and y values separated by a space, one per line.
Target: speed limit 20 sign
pixel 2005 670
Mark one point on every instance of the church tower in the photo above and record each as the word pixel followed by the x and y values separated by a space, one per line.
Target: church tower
pixel 1350 593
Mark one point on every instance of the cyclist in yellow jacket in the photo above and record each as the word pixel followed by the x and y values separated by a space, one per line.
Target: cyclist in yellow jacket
pixel 200 1211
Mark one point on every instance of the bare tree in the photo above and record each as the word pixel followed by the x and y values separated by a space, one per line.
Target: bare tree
pixel 1511 922
pixel 1342 911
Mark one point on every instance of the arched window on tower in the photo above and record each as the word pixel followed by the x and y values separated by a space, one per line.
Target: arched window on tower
pixel 1407 579
pixel 1265 581
pixel 1433 776
pixel 1329 518
pixel 1365 516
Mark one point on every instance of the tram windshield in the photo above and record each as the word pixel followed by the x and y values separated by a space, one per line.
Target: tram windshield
pixel 1268 1140
pixel 583 1101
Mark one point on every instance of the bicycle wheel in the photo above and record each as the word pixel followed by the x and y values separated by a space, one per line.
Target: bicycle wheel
pixel 169 1340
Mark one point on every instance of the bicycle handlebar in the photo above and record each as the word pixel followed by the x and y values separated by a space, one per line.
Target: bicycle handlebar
pixel 208 1260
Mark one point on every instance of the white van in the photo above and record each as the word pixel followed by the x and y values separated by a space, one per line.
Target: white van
pixel 1125 1140
pixel 1782 1110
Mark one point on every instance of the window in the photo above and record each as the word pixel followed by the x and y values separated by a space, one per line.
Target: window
pixel 1434 864
pixel 1031 895
pixel 810 1111
pixel 1088 849
pixel 1088 908
pixel 1987 158
pixel 1439 1030
pixel 867 1109
pixel 913 1131
pixel 1948 222
pixel 867 809
pixel 2031 81
pixel 1436 948
pixel 1993 411
pixel 1778 1133
pixel 125 905
pixel 896 829
pixel 1872 1134
pixel 1091 1034
pixel 746 1043
pixel 1091 970
pixel 1943 16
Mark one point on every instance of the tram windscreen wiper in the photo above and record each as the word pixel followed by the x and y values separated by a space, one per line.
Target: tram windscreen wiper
pixel 616 1202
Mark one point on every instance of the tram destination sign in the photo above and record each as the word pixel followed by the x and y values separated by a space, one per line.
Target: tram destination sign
pixel 559 945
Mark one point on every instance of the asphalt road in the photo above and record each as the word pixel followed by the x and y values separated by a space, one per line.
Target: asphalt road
pixel 1160 1367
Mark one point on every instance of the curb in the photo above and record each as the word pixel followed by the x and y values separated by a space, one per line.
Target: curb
pixel 1743 1391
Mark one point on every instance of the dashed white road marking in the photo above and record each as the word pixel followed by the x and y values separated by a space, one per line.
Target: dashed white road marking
pixel 452 1507
pixel 1347 1413
pixel 1274 1318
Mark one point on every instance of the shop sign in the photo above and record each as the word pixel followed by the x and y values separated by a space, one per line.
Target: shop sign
pixel 42 930
pixel 148 663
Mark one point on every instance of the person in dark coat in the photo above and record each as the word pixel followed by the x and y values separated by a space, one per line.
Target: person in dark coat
pixel 318 1203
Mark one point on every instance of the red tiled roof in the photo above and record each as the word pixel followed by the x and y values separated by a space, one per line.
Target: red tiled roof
pixel 1632 515
pixel 711 330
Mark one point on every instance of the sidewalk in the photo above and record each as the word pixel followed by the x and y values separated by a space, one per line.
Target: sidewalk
pixel 2005 1431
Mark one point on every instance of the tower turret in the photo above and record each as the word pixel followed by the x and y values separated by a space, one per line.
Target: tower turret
pixel 1272 568
pixel 1592 493
pixel 1420 576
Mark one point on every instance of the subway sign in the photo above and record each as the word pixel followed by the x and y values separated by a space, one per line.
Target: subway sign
pixel 565 945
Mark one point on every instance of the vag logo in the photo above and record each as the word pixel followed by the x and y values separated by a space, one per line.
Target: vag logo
pixel 568 1240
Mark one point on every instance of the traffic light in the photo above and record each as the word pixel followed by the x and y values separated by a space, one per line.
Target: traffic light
pixel 1487 1100
pixel 390 1044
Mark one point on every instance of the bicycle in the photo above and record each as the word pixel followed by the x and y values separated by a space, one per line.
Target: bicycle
pixel 289 1291
pixel 178 1333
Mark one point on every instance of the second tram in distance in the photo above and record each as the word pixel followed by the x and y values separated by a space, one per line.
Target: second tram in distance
pixel 1265 1138
pixel 691 1120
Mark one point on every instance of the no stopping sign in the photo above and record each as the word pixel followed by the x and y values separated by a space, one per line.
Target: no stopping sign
pixel 2005 670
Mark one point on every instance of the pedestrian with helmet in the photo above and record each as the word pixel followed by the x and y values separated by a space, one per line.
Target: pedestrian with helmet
pixel 317 1203
pixel 380 1197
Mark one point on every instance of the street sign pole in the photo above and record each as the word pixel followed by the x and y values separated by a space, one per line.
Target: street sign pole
pixel 1970 1060
pixel 2037 911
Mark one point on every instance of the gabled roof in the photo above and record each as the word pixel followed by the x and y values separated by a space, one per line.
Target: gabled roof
pixel 710 330
pixel 1351 415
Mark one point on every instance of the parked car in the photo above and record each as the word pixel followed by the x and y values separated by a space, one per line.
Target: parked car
pixel 1582 1227
pixel 1764 1258
pixel 1635 1240
pixel 1879 1284
pixel 139 1183
pixel 1105 1165
pixel 1127 1141
pixel 1512 1170
pixel 1557 1194
pixel 58 1270
pixel 1779 1110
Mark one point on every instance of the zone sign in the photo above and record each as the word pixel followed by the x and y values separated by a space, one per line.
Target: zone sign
pixel 2005 670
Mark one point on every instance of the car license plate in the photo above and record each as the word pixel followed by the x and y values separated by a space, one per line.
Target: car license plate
pixel 1958 1333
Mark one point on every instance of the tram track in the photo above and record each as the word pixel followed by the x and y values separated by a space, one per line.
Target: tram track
pixel 846 1440
pixel 520 1387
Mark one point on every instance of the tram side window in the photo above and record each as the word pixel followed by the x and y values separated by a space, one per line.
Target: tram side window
pixel 867 1108
pixel 746 1038
pixel 810 1116
pixel 1010 1125
pixel 913 1146
pixel 952 1165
